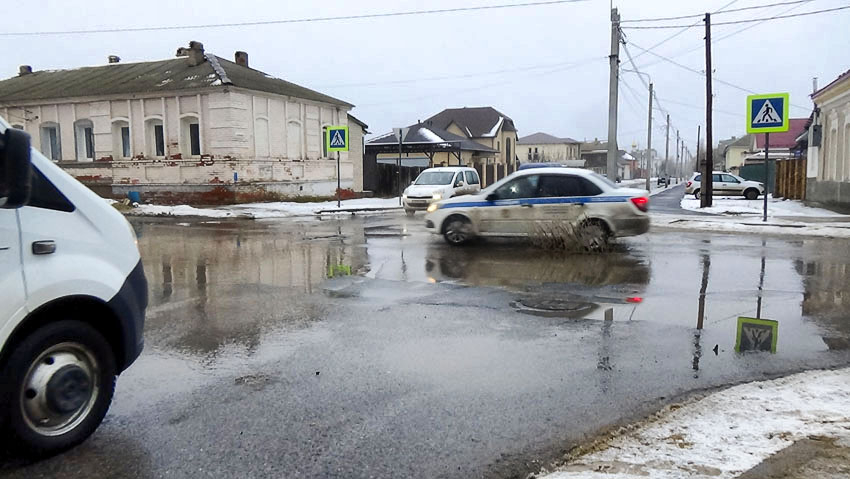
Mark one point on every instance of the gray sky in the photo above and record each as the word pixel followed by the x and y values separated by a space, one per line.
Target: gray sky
pixel 356 60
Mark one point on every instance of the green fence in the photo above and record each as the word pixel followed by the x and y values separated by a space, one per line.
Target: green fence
pixel 756 173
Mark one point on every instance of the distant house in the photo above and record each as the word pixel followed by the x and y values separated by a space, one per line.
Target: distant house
pixel 193 128
pixel 781 144
pixel 595 156
pixel 828 168
pixel 735 150
pixel 545 148
pixel 483 125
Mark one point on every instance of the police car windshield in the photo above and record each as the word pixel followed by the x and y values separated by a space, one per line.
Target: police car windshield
pixel 435 178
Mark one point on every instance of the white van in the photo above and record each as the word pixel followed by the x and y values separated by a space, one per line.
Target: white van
pixel 435 184
pixel 73 301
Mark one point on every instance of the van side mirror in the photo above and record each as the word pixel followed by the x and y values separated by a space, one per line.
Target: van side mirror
pixel 15 169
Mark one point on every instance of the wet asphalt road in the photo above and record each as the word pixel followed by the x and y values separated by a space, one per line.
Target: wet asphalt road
pixel 365 348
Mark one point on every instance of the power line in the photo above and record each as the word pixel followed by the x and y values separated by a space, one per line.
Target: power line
pixel 736 22
pixel 462 76
pixel 683 30
pixel 700 15
pixel 294 20
pixel 724 37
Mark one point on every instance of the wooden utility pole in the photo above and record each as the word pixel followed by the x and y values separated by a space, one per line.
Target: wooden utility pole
pixel 697 168
pixel 667 150
pixel 649 143
pixel 707 184
pixel 613 83
pixel 678 158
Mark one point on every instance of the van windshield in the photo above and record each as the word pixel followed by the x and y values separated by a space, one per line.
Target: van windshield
pixel 435 178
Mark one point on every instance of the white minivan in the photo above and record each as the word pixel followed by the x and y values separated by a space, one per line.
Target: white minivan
pixel 435 184
pixel 73 301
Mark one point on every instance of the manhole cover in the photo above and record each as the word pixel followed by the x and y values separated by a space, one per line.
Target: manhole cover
pixel 554 307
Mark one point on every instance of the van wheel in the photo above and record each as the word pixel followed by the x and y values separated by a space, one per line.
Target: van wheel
pixel 59 385
pixel 696 194
pixel 751 194
pixel 458 231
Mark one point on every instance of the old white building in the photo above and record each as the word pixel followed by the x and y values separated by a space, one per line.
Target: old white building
pixel 193 128
pixel 545 148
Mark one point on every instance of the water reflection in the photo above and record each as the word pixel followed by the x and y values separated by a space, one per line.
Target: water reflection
pixel 212 286
pixel 826 300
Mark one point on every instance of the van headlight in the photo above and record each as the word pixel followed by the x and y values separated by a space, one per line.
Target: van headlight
pixel 437 196
pixel 432 208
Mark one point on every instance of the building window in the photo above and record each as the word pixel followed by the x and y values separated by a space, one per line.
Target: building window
pixel 529 154
pixel 18 127
pixel 508 156
pixel 84 137
pixel 261 137
pixel 190 143
pixel 50 145
pixel 155 137
pixel 121 139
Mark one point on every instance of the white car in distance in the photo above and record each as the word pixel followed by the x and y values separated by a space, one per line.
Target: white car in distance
pixel 435 184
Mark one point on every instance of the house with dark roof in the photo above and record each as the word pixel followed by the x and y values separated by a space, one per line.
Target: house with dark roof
pixel 734 151
pixel 196 127
pixel 828 167
pixel 483 125
pixel 595 156
pixel 544 148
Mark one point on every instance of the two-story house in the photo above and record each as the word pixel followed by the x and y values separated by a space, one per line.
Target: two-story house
pixel 483 125
pixel 545 148
pixel 195 128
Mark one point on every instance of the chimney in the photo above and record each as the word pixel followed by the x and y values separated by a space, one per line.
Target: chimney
pixel 814 85
pixel 114 59
pixel 24 70
pixel 242 59
pixel 195 53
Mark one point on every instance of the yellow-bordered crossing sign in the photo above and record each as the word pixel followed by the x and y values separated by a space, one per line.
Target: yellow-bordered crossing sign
pixel 767 113
pixel 337 138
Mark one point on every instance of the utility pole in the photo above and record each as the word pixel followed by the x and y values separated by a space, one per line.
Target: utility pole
pixel 613 82
pixel 707 183
pixel 667 151
pixel 678 158
pixel 649 142
pixel 697 168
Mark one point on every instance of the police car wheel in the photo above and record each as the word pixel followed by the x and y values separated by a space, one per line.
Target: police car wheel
pixel 457 231
pixel 593 237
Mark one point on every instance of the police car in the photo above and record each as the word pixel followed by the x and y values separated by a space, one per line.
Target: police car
pixel 529 201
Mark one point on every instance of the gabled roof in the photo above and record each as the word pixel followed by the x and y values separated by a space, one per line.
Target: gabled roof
pixel 422 134
pixel 785 139
pixel 544 139
pixel 171 75
pixel 352 118
pixel 479 122
pixel 842 77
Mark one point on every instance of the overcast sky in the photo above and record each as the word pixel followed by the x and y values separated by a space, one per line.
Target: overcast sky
pixel 544 66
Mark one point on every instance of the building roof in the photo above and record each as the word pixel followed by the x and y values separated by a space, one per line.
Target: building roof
pixel 171 76
pixel 356 120
pixel 540 138
pixel 422 134
pixel 785 139
pixel 842 77
pixel 478 122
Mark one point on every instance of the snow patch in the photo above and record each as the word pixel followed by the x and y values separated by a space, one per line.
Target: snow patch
pixel 192 77
pixel 216 83
pixel 496 127
pixel 430 136
pixel 726 224
pixel 165 82
pixel 283 209
pixel 742 206
pixel 725 433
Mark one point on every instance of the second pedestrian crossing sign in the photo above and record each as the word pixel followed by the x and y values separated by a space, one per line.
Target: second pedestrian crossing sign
pixel 767 113
pixel 337 138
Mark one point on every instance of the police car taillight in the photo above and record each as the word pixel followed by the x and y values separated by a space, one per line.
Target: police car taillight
pixel 641 202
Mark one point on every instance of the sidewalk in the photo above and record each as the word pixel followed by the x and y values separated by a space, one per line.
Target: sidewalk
pixel 284 209
pixel 792 427
pixel 790 226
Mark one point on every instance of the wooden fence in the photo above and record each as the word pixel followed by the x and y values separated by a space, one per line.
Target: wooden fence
pixel 791 179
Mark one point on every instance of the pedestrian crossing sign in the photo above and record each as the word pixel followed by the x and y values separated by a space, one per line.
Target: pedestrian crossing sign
pixel 767 113
pixel 336 138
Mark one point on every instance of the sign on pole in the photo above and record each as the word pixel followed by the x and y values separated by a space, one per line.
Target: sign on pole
pixel 400 133
pixel 767 113
pixel 337 139
pixel 756 335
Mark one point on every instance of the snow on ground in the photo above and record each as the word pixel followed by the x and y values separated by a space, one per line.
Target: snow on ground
pixel 753 224
pixel 283 209
pixel 738 205
pixel 724 433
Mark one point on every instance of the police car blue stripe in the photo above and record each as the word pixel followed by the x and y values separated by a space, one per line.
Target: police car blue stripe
pixel 538 201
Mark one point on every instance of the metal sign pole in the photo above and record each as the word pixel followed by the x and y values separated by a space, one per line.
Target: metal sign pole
pixel 399 169
pixel 766 171
pixel 338 182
